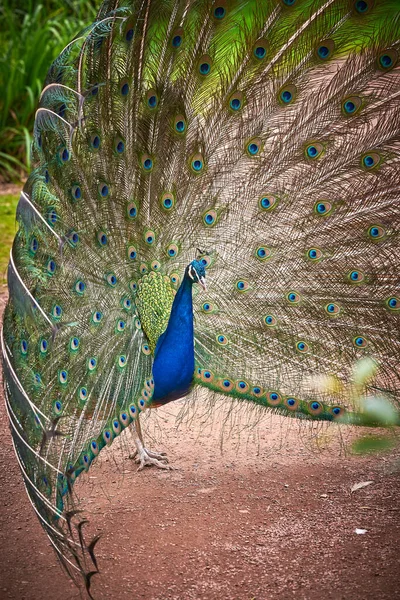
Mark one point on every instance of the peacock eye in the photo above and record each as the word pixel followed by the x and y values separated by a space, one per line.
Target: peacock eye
pixel 287 94
pixel 132 253
pixel 124 89
pixel 323 208
pixel 267 202
pixel 270 320
pixel 242 286
pixel 302 347
pixel 222 340
pixel 314 254
pixel 147 163
pixel 122 361
pixel 168 201
pixel 293 297
pixel 205 65
pixel 111 279
pixel 253 147
pixel 356 276
pixel 387 60
pixel 314 150
pixel 119 145
pixel 177 38
pixel 210 218
pixel 332 309
pixel 197 163
pixel 260 49
pixel 103 189
pixel 376 232
pixel 263 253
pixel 97 316
pixel 172 250
pixel 95 142
pixel 80 287
pixel 371 160
pixel 325 49
pixel 360 342
pixel 236 101
pixel 131 210
pixel 273 398
pixel 180 124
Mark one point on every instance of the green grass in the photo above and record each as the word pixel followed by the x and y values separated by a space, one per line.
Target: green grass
pixel 32 37
pixel 8 228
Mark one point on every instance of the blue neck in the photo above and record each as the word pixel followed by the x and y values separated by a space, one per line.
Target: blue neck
pixel 173 365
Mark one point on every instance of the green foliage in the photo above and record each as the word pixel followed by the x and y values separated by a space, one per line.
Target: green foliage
pixel 372 444
pixel 8 204
pixel 32 36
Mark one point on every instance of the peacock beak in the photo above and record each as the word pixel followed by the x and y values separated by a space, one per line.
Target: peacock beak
pixel 202 282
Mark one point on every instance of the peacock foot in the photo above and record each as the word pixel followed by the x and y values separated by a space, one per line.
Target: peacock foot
pixel 147 458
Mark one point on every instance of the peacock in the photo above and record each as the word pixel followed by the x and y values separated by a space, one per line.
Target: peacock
pixel 214 206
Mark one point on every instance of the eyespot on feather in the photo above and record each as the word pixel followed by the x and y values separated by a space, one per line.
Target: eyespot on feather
pixel 210 218
pixel 371 160
pixel 393 303
pixel 236 101
pixel 287 94
pixel 376 233
pixel 254 147
pixel 147 163
pixel 273 398
pixel 325 49
pixel 219 10
pixel 270 321
pixel 207 375
pixel 260 49
pixel 356 276
pixel 204 65
pixel 313 150
pixel 242 285
pixel 332 309
pixel 323 208
pixel 197 163
pixel 167 201
pixel 293 297
pixel 225 385
pixel 351 105
pixel 360 341
pixel 149 237
pixel 387 60
pixel 177 38
pixel 362 7
pixel 180 125
pixel 291 403
pixel 241 386
pixel 302 347
pixel 314 254
pixel 152 99
pixel 263 253
pixel 172 250
pixel 314 407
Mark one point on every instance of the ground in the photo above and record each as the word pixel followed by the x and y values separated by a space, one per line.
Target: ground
pixel 271 516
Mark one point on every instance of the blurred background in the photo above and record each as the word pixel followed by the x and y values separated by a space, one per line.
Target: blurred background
pixel 32 34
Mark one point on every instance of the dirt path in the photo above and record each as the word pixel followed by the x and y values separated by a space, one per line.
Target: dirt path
pixel 268 519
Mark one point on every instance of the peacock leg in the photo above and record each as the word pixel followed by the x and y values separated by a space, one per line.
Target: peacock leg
pixel 143 456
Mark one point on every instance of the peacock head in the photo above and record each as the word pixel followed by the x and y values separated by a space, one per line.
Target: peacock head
pixel 196 271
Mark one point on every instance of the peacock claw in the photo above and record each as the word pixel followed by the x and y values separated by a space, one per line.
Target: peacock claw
pixel 147 458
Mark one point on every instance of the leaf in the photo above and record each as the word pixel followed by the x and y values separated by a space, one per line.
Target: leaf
pixel 358 486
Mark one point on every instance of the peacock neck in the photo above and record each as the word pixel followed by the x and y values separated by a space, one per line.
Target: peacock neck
pixel 173 365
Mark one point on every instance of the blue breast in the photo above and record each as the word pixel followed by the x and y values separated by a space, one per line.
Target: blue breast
pixel 173 365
